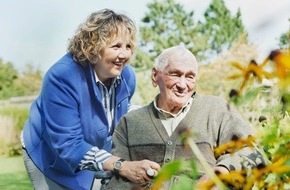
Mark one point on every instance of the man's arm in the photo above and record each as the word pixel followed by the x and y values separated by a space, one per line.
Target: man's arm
pixel 131 171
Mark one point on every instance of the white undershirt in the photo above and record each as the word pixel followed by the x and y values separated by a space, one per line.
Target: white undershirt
pixel 170 121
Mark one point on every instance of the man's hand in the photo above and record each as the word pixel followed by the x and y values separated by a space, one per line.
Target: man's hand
pixel 217 170
pixel 135 171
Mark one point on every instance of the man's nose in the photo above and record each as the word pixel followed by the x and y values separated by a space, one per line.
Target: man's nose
pixel 182 83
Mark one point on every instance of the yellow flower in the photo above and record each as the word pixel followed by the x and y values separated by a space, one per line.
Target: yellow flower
pixel 234 145
pixel 282 62
pixel 249 72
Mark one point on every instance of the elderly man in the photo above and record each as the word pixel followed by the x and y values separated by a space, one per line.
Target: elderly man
pixel 152 132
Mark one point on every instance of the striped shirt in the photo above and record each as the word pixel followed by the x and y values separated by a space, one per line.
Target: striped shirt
pixel 95 158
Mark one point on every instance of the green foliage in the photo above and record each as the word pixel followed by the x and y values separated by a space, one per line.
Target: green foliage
pixel 169 170
pixel 141 61
pixel 221 27
pixel 168 24
pixel 8 75
pixel 275 136
pixel 250 95
pixel 284 41
pixel 183 183
pixel 29 82
pixel 13 83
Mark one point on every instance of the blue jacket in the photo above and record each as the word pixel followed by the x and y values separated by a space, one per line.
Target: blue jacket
pixel 68 119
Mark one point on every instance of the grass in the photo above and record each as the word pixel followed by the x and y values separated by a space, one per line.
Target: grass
pixel 13 175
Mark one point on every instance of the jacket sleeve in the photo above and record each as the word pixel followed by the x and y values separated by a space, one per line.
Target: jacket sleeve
pixel 62 118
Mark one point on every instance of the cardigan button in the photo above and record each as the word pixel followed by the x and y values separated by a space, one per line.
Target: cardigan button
pixel 169 143
pixel 167 160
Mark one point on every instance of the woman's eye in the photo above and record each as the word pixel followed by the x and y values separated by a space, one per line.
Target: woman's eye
pixel 116 46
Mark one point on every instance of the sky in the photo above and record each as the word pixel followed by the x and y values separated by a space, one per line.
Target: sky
pixel 36 31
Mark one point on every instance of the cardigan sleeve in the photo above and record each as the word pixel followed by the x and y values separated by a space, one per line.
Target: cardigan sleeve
pixel 120 148
pixel 233 128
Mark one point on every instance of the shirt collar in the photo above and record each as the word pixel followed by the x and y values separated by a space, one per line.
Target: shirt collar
pixel 167 114
pixel 116 81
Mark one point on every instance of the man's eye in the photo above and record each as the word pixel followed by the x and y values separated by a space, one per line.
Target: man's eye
pixel 173 74
pixel 191 78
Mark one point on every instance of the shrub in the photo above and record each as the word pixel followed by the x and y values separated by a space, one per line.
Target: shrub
pixel 12 119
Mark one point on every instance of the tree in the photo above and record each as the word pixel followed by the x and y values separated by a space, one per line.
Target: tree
pixel 13 83
pixel 220 27
pixel 284 40
pixel 168 24
pixel 8 75
pixel 29 82
pixel 143 60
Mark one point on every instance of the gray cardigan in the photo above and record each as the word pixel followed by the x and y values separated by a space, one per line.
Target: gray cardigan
pixel 141 135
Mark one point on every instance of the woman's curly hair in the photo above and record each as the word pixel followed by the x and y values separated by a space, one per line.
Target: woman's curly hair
pixel 97 32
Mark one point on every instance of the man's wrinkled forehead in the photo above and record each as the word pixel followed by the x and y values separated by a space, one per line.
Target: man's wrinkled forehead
pixel 185 58
pixel 180 53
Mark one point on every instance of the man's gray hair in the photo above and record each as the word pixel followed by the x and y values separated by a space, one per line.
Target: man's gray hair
pixel 173 53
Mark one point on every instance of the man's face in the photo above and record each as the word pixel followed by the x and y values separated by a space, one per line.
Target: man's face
pixel 176 83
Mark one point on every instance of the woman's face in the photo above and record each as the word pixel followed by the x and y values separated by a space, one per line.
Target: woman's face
pixel 113 59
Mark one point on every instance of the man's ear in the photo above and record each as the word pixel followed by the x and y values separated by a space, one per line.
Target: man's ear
pixel 154 76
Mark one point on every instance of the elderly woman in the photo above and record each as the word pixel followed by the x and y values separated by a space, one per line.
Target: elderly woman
pixel 68 134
